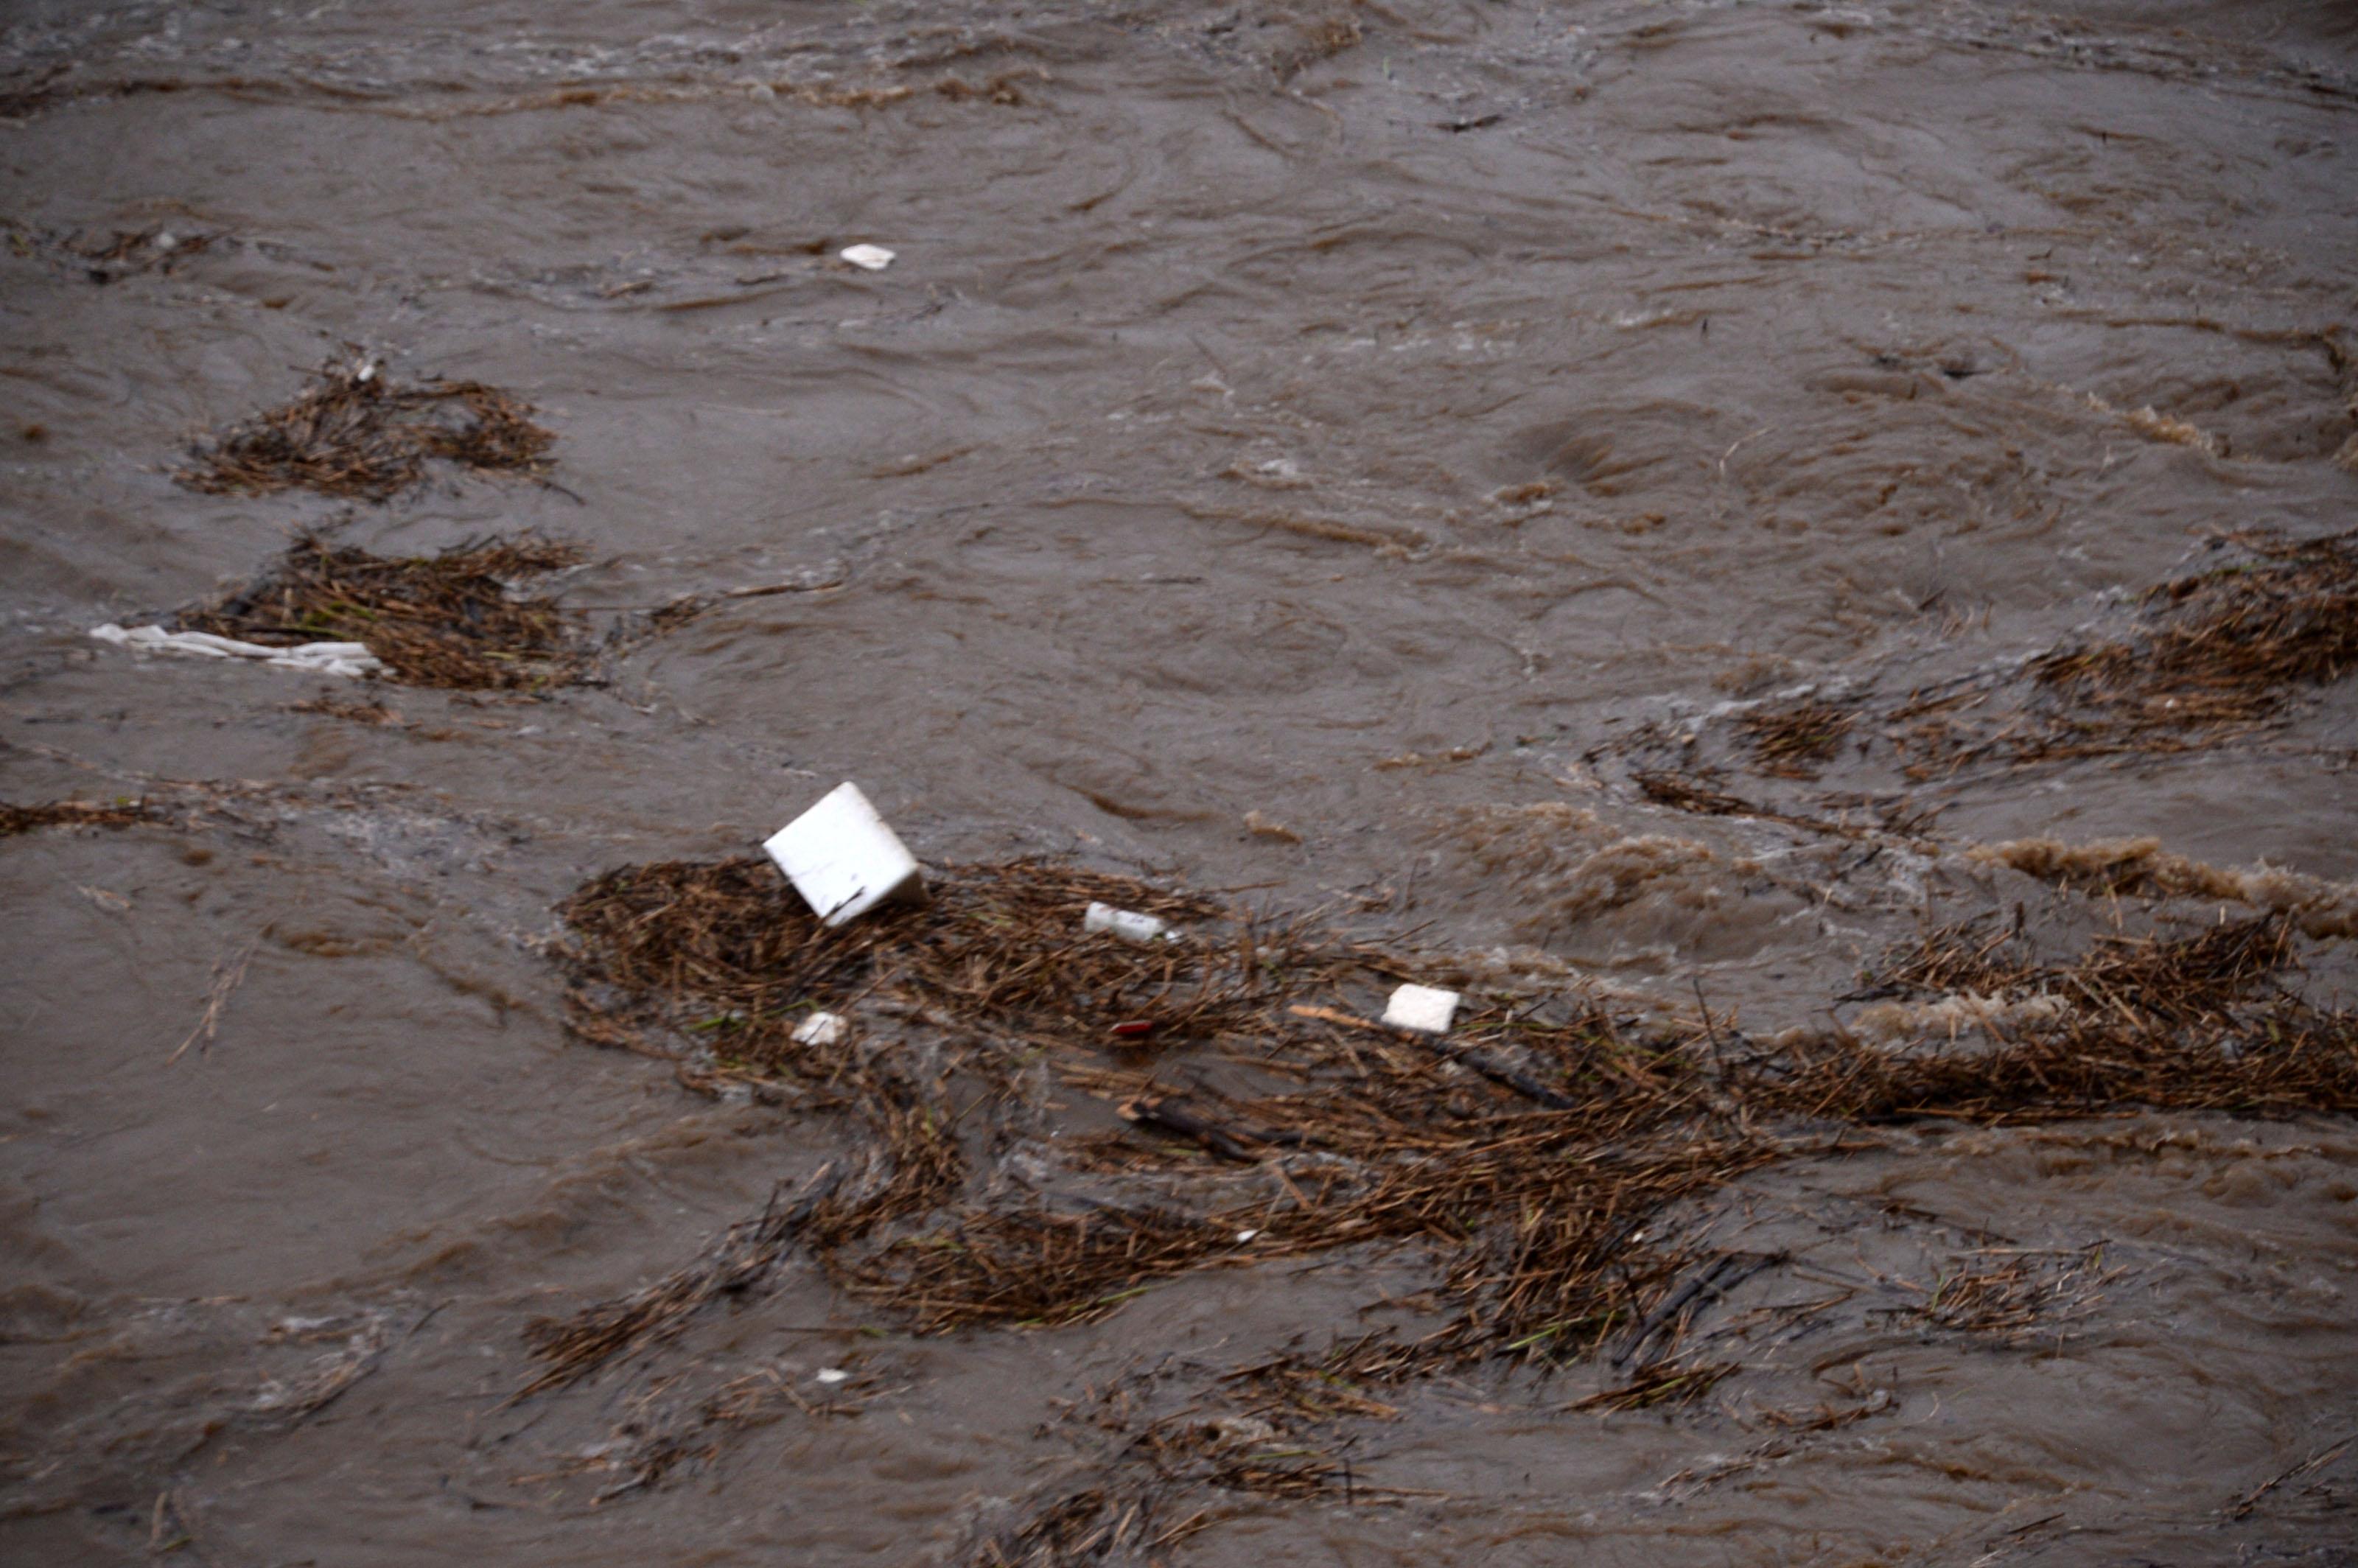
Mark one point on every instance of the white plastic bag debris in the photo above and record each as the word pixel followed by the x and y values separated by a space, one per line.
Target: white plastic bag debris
pixel 1425 1008
pixel 868 258
pixel 843 859
pixel 351 659
pixel 1126 923
pixel 819 1029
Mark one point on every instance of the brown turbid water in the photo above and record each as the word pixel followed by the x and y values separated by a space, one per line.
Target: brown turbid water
pixel 1516 479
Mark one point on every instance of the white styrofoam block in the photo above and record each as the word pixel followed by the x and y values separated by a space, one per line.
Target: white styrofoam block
pixel 1425 1008
pixel 842 859
pixel 819 1029
pixel 868 258
pixel 1126 923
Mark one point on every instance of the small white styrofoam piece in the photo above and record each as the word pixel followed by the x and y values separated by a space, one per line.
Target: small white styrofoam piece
pixel 351 659
pixel 869 258
pixel 831 1375
pixel 819 1029
pixel 1425 1008
pixel 842 857
pixel 1126 923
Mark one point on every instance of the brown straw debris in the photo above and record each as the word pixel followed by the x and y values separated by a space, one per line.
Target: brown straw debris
pixel 451 620
pixel 354 432
pixel 1544 1159
pixel 16 820
pixel 1795 740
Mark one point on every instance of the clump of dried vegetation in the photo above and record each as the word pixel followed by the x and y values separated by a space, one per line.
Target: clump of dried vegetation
pixel 2211 658
pixel 1793 741
pixel 356 433
pixel 452 620
pixel 2215 656
pixel 1530 1153
pixel 2226 646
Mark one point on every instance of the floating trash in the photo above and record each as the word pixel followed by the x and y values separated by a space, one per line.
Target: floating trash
pixel 1104 919
pixel 351 659
pixel 1425 1008
pixel 820 1029
pixel 842 857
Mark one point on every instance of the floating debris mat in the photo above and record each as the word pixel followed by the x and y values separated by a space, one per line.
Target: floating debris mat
pixel 454 619
pixel 2215 656
pixel 2210 658
pixel 728 953
pixel 1535 1152
pixel 355 433
pixel 2227 646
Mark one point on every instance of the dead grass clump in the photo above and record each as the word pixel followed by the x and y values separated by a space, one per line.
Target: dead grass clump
pixel 355 433
pixel 2213 656
pixel 1794 741
pixel 2185 1023
pixel 731 953
pixel 15 820
pixel 1091 1525
pixel 451 620
pixel 2225 646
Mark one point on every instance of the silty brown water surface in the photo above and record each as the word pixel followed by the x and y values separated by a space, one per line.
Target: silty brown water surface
pixel 1328 451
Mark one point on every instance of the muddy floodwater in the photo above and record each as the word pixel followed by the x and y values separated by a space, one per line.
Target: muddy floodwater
pixel 1648 504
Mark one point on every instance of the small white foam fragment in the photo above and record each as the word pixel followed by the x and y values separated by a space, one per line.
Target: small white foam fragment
pixel 819 1029
pixel 1425 1008
pixel 831 1375
pixel 842 857
pixel 351 659
pixel 869 258
pixel 1244 1236
pixel 1126 923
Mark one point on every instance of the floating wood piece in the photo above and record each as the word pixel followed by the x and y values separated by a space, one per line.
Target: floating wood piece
pixel 1148 1110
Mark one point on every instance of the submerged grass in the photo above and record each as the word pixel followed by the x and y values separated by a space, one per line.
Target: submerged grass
pixel 451 620
pixel 355 433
